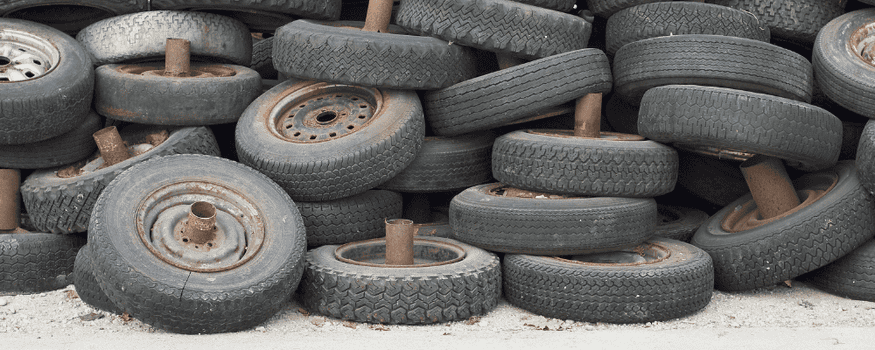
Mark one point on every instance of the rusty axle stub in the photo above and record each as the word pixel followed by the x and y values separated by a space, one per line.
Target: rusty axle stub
pixel 200 227
pixel 112 148
pixel 769 185
pixel 426 253
pixel 378 16
pixel 588 116
pixel 10 180
pixel 177 58
pixel 399 242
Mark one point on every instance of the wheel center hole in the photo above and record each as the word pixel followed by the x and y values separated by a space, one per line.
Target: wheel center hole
pixel 4 60
pixel 326 117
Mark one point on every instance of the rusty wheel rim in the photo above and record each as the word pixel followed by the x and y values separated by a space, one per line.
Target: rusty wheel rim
pixel 862 43
pixel 323 112
pixel 162 215
pixel 24 56
pixel 716 152
pixel 139 142
pixel 643 254
pixel 197 70
pixel 426 253
pixel 500 190
pixel 604 136
pixel 746 216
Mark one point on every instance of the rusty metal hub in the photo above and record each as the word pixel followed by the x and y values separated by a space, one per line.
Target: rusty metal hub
pixel 139 140
pixel 198 70
pixel 604 135
pixel 646 253
pixel 507 191
pixel 24 56
pixel 716 152
pixel 862 42
pixel 323 112
pixel 163 225
pixel 426 253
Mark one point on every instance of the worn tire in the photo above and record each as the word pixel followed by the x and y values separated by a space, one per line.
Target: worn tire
pixel 411 295
pixel 805 136
pixel 796 243
pixel 233 298
pixel 796 21
pixel 262 59
pixel 702 60
pixel 850 276
pixel 843 75
pixel 607 8
pixel 122 93
pixel 497 25
pixel 866 157
pixel 67 148
pixel 349 219
pixel 86 285
pixel 53 103
pixel 331 168
pixel 676 18
pixel 121 39
pixel 678 223
pixel 511 94
pixel 69 16
pixel 63 205
pixel 675 286
pixel 483 217
pixel 318 9
pixel 561 164
pixel 558 5
pixel 37 262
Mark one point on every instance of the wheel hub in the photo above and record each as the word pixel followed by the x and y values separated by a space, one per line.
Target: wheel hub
pixel 24 56
pixel 862 42
pixel 323 112
pixel 426 253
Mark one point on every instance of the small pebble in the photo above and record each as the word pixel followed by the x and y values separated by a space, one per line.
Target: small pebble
pixel 3 302
pixel 260 329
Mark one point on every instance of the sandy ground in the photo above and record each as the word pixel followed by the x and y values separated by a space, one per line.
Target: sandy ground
pixel 765 318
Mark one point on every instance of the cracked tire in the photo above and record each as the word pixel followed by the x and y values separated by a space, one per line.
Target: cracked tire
pixel 805 136
pixel 237 293
pixel 842 74
pixel 491 217
pixel 850 276
pixel 37 262
pixel 661 289
pixel 411 295
pixel 796 21
pixel 349 219
pixel 63 204
pixel 86 286
pixel 67 148
pixel 797 242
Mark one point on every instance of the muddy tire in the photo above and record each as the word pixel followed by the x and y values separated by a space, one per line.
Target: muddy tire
pixel 496 25
pixel 46 84
pixel 63 204
pixel 493 218
pixel 678 223
pixel 805 136
pixel 702 60
pixel 677 18
pixel 120 39
pixel 511 94
pixel 37 262
pixel 843 75
pixel 676 282
pixel 320 156
pixel 797 21
pixel 199 293
pixel 130 93
pixel 447 164
pixel 850 276
pixel 86 286
pixel 67 148
pixel 866 158
pixel 795 243
pixel 411 295
pixel 349 219
pixel 554 161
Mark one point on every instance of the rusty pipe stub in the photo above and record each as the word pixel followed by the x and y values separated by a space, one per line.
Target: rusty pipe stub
pixel 10 179
pixel 588 116
pixel 379 15
pixel 399 242
pixel 769 185
pixel 177 58
pixel 201 225
pixel 112 148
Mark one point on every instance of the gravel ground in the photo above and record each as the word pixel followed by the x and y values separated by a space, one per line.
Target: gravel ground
pixel 60 318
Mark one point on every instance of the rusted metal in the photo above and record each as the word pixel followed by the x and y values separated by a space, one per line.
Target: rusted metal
pixel 201 225
pixel 645 253
pixel 716 152
pixel 603 136
pixel 10 180
pixel 379 15
pixel 506 61
pixel 507 191
pixel 588 116
pixel 177 58
pixel 399 242
pixel 862 42
pixel 323 112
pixel 770 186
pixel 427 252
pixel 112 147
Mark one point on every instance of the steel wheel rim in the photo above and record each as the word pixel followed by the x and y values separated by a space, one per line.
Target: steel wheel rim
pixel 324 112
pixel 426 253
pixel 862 43
pixel 642 254
pixel 24 56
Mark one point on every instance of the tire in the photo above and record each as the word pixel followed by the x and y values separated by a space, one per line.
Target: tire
pixel 36 262
pixel 206 295
pixel 262 59
pixel 717 181
pixel 558 5
pixel 702 60
pixel 63 204
pixel 330 167
pixel 350 219
pixel 411 295
pixel 38 104
pixel 678 223
pixel 607 8
pixel 67 148
pixel 850 276
pixel 677 18
pixel 515 93
pixel 796 21
pixel 841 73
pixel 132 93
pixel 86 286
pixel 69 16
pixel 317 9
pixel 492 217
pixel 866 158
pixel 120 39
pixel 553 161
pixel 387 60
pixel 805 136
pixel 673 286
pixel 851 134
pixel 446 164
pixel 496 25
pixel 796 242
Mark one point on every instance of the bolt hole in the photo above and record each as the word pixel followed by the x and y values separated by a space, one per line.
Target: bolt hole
pixel 355 98
pixel 197 247
pixel 363 106
pixel 4 79
pixel 351 127
pixel 4 61
pixel 29 74
pixel 37 62
pixel 361 117
pixel 185 239
pixel 312 137
pixel 209 245
pixel 297 134
pixel 332 134
pixel 302 106
pixel 22 50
